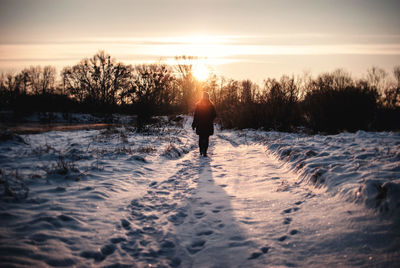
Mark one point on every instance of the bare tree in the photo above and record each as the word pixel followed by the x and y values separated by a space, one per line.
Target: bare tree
pixel 14 84
pixel 189 86
pixel 99 79
pixel 212 87
pixel 339 79
pixel 377 77
pixel 392 93
pixel 48 79
pixel 37 80
pixel 153 84
pixel 248 91
pixel 396 73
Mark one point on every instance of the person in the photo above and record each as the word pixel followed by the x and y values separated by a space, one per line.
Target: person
pixel 203 119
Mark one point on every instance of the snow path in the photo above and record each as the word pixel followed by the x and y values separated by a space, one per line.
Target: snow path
pixel 242 208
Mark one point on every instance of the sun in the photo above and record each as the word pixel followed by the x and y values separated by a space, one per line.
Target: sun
pixel 200 71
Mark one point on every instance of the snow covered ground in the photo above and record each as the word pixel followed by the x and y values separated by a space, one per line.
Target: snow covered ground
pixel 116 198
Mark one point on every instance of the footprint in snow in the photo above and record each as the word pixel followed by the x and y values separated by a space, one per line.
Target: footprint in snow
pixel 287 221
pixel 206 232
pixel 199 214
pixel 255 255
pixel 290 210
pixel 282 238
pixel 166 246
pixel 238 241
pixel 264 249
pixel 309 195
pixel 175 262
pixel 177 218
pixel 108 249
pixel 196 246
pixel 117 240
pixel 125 224
pixel 162 192
pixel 96 255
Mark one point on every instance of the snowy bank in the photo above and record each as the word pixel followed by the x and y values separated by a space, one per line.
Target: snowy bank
pixel 362 167
pixel 8 117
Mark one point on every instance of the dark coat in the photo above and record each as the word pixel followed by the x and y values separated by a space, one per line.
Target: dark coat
pixel 203 118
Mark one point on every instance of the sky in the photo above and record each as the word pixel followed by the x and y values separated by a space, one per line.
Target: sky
pixel 252 39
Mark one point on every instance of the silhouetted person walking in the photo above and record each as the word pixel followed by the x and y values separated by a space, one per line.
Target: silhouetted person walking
pixel 203 119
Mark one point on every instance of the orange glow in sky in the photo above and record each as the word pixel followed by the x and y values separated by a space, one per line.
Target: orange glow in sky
pixel 238 39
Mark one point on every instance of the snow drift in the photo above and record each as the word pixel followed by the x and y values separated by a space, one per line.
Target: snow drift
pixel 362 167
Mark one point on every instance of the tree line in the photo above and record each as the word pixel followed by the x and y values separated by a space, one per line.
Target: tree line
pixel 331 102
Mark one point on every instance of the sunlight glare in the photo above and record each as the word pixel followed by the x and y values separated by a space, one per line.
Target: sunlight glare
pixel 196 45
pixel 201 72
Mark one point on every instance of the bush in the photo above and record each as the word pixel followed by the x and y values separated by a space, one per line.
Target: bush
pixel 243 105
pixel 333 110
pixel 43 103
pixel 387 119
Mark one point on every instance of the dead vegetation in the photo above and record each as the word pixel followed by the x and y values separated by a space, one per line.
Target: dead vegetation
pixel 12 185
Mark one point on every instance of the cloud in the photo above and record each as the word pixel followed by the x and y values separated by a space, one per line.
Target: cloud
pixel 219 49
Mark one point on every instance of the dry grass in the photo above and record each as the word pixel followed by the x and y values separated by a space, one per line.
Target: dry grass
pixel 13 185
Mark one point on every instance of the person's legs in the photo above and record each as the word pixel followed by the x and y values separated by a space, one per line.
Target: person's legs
pixel 203 144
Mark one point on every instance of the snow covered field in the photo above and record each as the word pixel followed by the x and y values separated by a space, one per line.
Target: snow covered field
pixel 116 198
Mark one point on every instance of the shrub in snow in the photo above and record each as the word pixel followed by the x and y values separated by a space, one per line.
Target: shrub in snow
pixel 7 135
pixel 62 167
pixel 171 152
pixel 147 149
pixel 12 186
pixel 138 158
pixel 384 196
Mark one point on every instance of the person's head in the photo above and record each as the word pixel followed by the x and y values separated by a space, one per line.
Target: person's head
pixel 206 96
